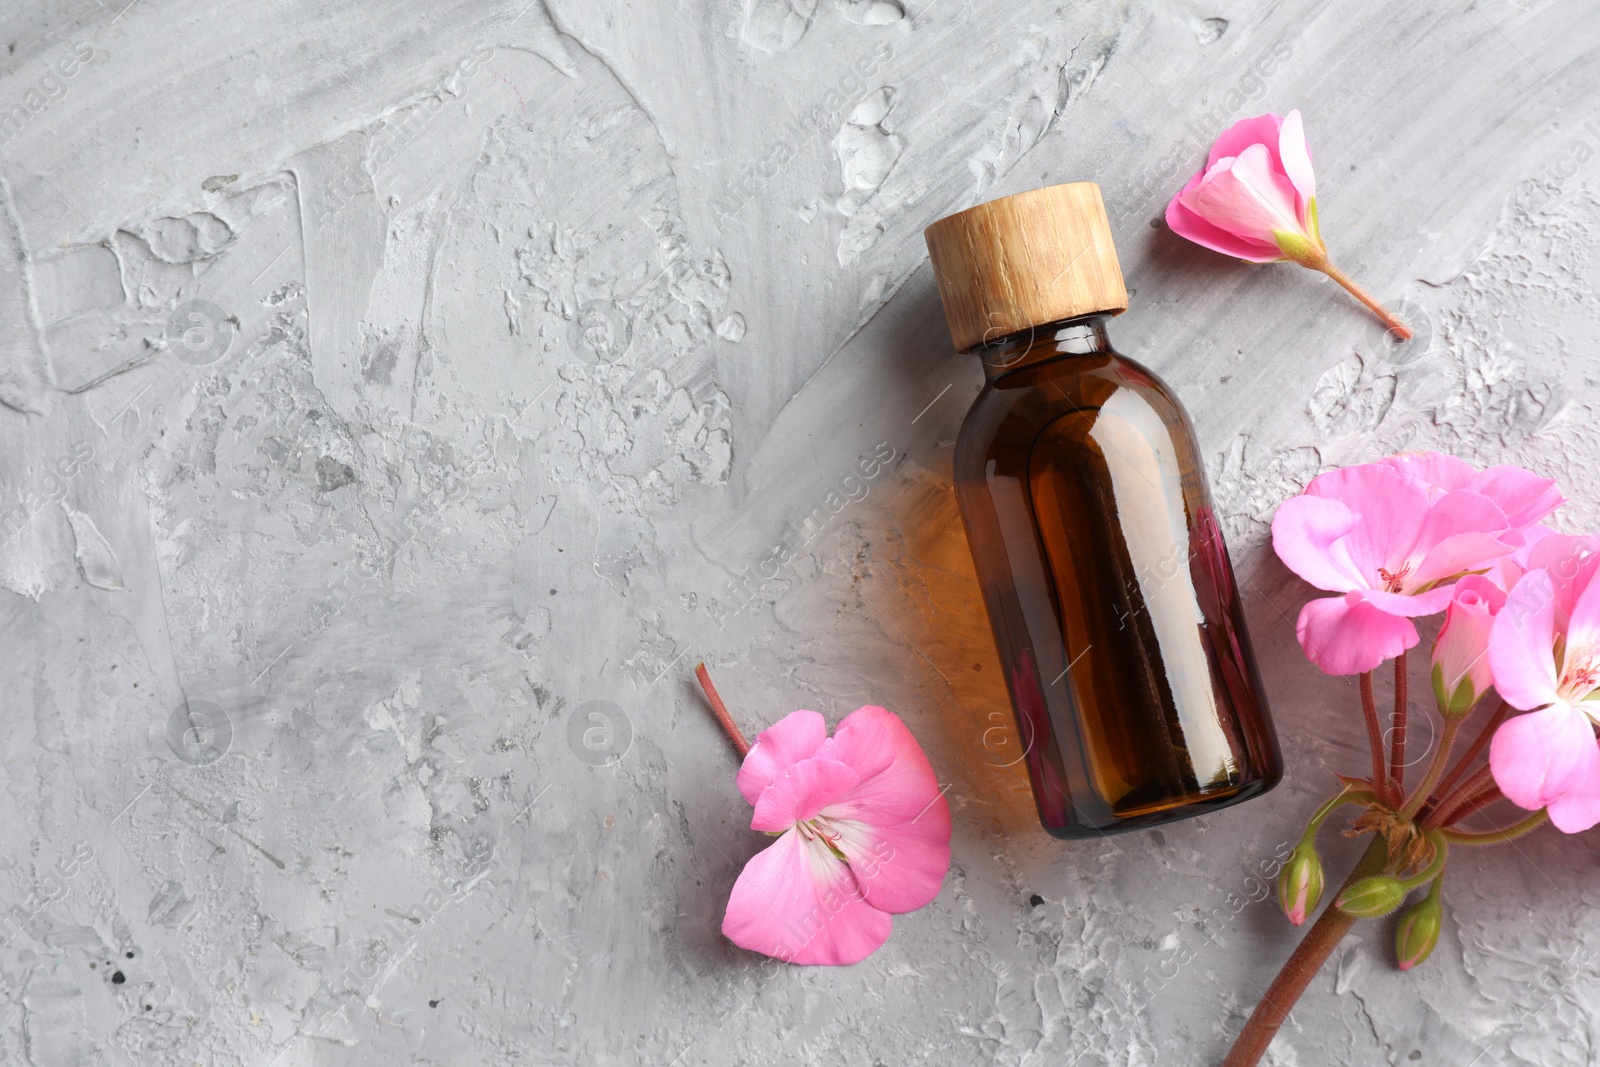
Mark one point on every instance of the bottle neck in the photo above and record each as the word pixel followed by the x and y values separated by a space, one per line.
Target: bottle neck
pixel 1082 336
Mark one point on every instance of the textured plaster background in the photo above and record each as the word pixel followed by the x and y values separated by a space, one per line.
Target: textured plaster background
pixel 399 399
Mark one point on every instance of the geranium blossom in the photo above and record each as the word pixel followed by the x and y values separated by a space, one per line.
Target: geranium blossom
pixel 1390 545
pixel 863 832
pixel 1544 651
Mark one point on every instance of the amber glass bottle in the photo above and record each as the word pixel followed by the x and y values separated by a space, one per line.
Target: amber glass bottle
pixel 1104 572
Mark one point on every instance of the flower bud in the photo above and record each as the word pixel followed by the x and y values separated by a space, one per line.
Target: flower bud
pixel 1300 883
pixel 1418 932
pixel 1461 654
pixel 1371 897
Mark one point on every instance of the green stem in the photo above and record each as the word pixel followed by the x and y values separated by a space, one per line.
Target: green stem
pixel 1302 965
pixel 1447 806
pixel 1345 796
pixel 1495 837
pixel 1441 756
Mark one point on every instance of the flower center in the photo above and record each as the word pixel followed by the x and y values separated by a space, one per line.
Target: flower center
pixel 1394 581
pixel 819 829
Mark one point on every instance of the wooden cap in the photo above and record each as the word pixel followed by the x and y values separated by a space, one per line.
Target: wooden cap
pixel 1025 260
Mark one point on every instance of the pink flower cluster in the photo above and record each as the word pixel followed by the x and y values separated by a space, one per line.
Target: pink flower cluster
pixel 1423 533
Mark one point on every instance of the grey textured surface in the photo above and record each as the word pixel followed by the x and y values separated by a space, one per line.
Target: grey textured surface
pixel 533 331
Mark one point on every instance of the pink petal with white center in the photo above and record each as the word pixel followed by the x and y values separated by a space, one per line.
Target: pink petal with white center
pixel 1522 642
pixel 1246 196
pixel 1392 506
pixel 1583 639
pixel 800 792
pixel 1305 535
pixel 1407 605
pixel 1187 224
pixel 795 901
pixel 786 742
pixel 1348 635
pixel 1295 158
pixel 1539 758
pixel 898 867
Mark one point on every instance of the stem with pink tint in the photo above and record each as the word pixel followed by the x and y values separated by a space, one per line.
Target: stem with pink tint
pixel 1398 328
pixel 720 710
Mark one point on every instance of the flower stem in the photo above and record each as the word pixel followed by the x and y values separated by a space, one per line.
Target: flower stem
pixel 1303 964
pixel 1369 705
pixel 1435 768
pixel 1495 837
pixel 720 710
pixel 1399 328
pixel 1477 746
pixel 1464 793
pixel 1397 748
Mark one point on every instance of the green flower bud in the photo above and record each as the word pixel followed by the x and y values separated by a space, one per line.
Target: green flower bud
pixel 1300 883
pixel 1418 932
pixel 1371 897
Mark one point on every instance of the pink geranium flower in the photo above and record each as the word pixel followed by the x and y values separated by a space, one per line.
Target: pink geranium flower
pixel 1256 199
pixel 1390 546
pixel 1461 672
pixel 863 832
pixel 1522 495
pixel 1544 651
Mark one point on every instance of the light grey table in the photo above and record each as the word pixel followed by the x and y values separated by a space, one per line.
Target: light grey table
pixel 400 399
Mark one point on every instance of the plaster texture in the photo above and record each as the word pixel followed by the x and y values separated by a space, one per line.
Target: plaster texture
pixel 400 399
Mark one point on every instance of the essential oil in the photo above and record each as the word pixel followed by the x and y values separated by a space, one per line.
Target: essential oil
pixel 1104 571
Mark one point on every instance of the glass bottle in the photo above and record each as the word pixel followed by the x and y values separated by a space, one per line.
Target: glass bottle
pixel 1105 575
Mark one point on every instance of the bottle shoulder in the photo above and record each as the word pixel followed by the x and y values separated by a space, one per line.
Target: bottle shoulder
pixel 1012 410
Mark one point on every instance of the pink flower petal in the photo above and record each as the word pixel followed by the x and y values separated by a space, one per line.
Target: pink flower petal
pixel 1246 196
pixel 1521 644
pixel 1261 129
pixel 1439 471
pixel 899 867
pixel 1538 758
pixel 1522 495
pixel 786 742
pixel 1295 158
pixel 1408 605
pixel 1304 533
pixel 897 782
pixel 1347 635
pixel 795 901
pixel 1463 531
pixel 1583 626
pixel 1575 812
pixel 1392 506
pixel 800 792
pixel 1187 224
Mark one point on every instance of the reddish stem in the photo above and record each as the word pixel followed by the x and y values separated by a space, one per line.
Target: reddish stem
pixel 1444 811
pixel 1369 705
pixel 1399 328
pixel 1397 749
pixel 1479 743
pixel 1306 960
pixel 720 710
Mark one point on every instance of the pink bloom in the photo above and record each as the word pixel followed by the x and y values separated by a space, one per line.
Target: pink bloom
pixel 1461 654
pixel 1522 495
pixel 1390 548
pixel 863 831
pixel 1544 651
pixel 1257 199
pixel 1257 196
